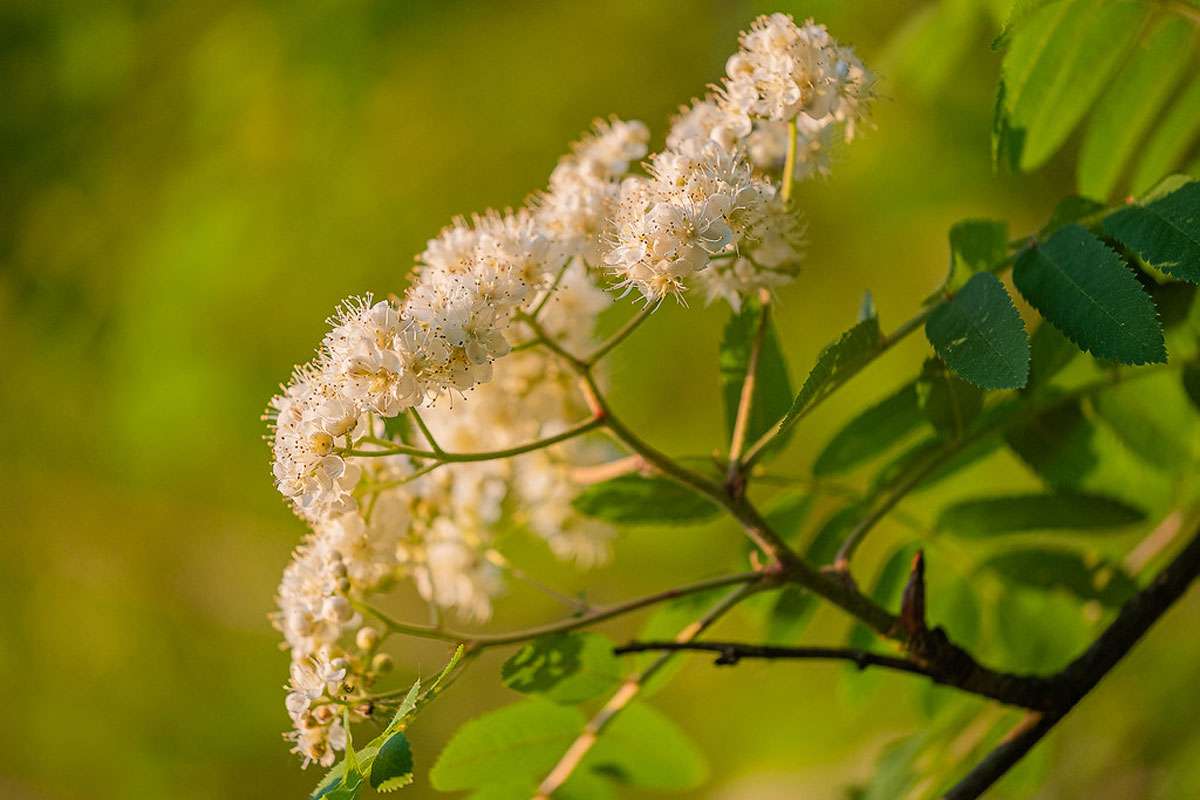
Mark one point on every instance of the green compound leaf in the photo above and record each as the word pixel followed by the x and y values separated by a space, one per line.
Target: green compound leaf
pixel 871 433
pixel 1165 232
pixel 1052 568
pixel 1134 98
pixel 518 742
pixel 980 335
pixel 852 350
pixel 1084 289
pixel 991 516
pixel 772 387
pixel 1060 56
pixel 1071 208
pixel 563 667
pixel 393 766
pixel 949 403
pixel 643 748
pixel 634 500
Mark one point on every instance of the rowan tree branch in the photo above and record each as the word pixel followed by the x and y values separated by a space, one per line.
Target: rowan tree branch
pixel 1082 675
pixel 730 653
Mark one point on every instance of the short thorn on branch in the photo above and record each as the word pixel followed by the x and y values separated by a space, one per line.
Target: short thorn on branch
pixel 912 603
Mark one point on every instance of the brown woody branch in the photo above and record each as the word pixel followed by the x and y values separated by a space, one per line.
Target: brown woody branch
pixel 1081 675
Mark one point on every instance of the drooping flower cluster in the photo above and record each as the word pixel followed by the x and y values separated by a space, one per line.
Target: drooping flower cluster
pixel 359 433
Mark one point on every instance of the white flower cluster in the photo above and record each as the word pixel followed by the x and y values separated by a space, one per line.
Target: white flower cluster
pixel 382 505
pixel 709 208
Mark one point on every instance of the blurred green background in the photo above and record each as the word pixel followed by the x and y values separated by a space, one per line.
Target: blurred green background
pixel 187 191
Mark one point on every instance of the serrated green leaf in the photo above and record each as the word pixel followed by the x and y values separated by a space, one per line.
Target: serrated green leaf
pixel 1058 61
pixel 1165 232
pixel 990 516
pixel 980 335
pixel 1130 104
pixel 563 667
pixel 871 433
pixel 1053 568
pixel 1170 139
pixel 523 740
pixel 772 387
pixel 836 363
pixel 643 748
pixel 948 402
pixel 635 500
pixel 1084 289
pixel 393 764
pixel 1057 445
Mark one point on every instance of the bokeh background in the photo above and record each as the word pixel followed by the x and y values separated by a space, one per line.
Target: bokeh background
pixel 186 190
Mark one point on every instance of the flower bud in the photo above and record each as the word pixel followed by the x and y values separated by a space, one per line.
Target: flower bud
pixel 367 638
pixel 381 663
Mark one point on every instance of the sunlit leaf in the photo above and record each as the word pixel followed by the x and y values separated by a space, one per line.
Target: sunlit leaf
pixel 563 667
pixel 643 748
pixel 523 740
pixel 836 362
pixel 1132 100
pixel 635 500
pixel 1057 444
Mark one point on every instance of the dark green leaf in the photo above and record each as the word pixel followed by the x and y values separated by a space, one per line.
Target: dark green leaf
pixel 949 403
pixel 871 432
pixel 643 748
pixel 790 611
pixel 1191 384
pixel 519 741
pixel 1165 232
pixel 1082 287
pixel 1128 107
pixel 772 387
pixel 976 245
pixel 989 516
pixel 979 334
pixel 1047 568
pixel 1072 208
pixel 634 500
pixel 563 667
pixel 933 447
pixel 1057 445
pixel 852 350
pixel 1170 139
pixel 1058 61
pixel 1050 352
pixel 393 766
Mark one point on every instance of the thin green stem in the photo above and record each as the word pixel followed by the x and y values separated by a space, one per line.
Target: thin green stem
pixel 741 422
pixel 475 641
pixel 428 434
pixel 577 429
pixel 537 310
pixel 620 335
pixel 789 163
